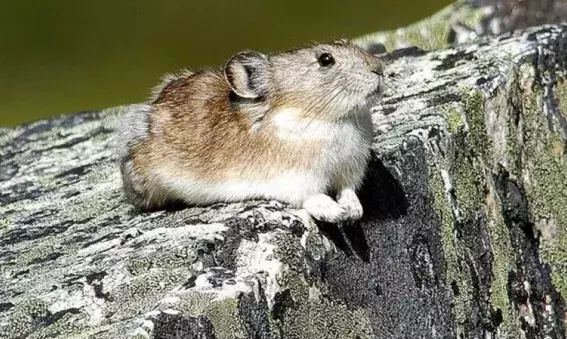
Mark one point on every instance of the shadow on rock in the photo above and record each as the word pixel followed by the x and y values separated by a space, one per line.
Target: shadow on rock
pixel 382 197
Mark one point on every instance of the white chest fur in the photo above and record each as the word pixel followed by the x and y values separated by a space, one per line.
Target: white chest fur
pixel 346 144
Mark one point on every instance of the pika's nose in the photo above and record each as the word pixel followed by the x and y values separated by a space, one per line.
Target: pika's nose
pixel 376 65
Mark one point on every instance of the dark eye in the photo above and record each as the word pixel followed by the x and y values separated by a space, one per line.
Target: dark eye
pixel 326 60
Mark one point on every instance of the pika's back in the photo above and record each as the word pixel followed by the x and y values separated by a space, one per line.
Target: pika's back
pixel 183 108
pixel 191 122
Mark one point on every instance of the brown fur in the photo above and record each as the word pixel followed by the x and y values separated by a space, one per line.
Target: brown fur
pixel 183 119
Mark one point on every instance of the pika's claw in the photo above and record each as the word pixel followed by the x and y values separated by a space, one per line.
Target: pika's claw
pixel 349 201
pixel 323 207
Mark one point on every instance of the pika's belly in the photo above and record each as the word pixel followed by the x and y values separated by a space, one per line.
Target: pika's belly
pixel 292 188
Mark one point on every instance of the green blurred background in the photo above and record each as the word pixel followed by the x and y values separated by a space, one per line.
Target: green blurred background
pixel 62 56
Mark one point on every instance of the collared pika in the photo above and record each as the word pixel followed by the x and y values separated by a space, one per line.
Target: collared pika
pixel 293 127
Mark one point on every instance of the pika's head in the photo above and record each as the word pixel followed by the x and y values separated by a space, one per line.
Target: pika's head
pixel 329 81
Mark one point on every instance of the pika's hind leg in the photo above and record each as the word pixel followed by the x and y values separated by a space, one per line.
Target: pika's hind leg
pixel 323 207
pixel 136 188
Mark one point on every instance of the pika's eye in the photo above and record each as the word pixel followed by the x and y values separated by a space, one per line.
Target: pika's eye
pixel 326 60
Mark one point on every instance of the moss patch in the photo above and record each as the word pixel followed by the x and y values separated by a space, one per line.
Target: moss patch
pixel 144 291
pixel 222 313
pixel 453 275
pixel 546 187
pixel 225 320
pixel 468 164
pixel 561 95
pixel 474 107
pixel 454 119
pixel 429 34
pixel 290 251
pixel 315 320
pixel 24 319
pixel 435 37
pixel 469 157
pixel 501 264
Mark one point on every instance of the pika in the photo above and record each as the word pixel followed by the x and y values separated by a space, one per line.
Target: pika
pixel 293 127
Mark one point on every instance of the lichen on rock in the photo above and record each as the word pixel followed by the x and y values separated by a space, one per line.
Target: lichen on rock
pixel 464 231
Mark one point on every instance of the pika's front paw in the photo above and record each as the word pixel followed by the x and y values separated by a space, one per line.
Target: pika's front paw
pixel 349 201
pixel 323 207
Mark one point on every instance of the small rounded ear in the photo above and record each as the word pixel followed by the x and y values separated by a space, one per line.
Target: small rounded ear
pixel 247 74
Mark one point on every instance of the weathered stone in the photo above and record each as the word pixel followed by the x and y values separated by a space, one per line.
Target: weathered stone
pixel 464 233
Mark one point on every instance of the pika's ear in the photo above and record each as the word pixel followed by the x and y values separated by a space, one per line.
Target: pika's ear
pixel 247 74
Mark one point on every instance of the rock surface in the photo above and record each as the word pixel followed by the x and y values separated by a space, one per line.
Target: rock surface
pixel 464 233
pixel 465 20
